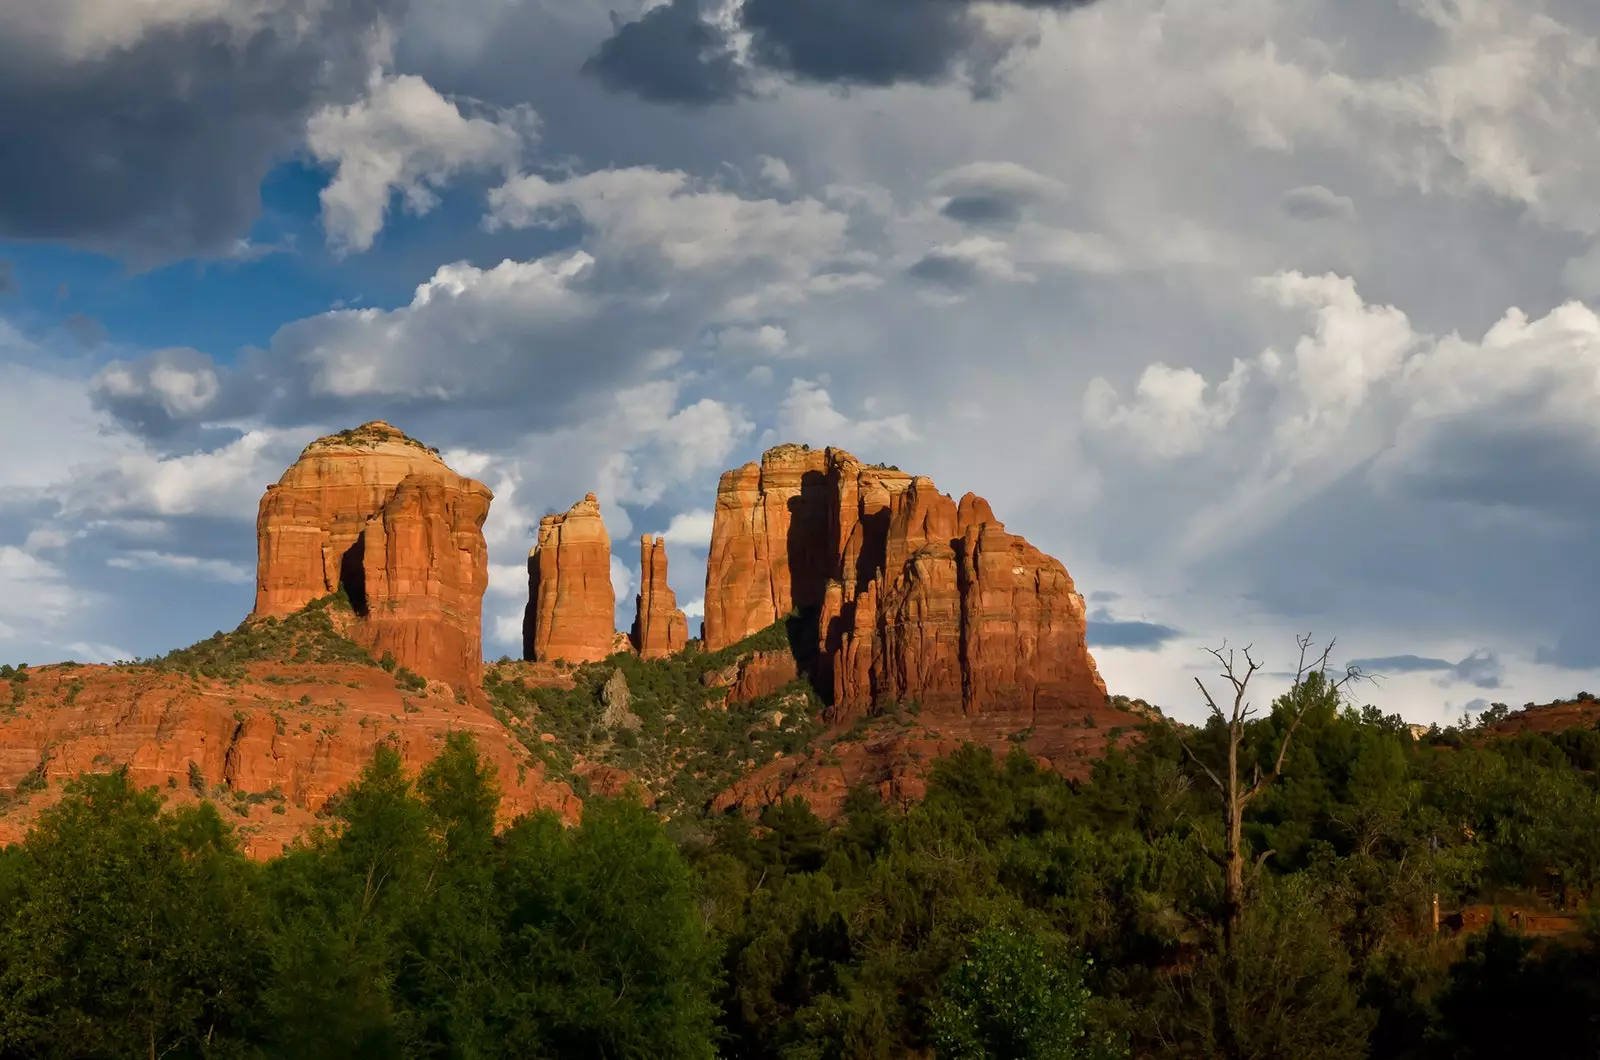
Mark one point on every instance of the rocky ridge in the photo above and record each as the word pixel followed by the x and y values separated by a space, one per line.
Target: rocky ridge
pixel 234 721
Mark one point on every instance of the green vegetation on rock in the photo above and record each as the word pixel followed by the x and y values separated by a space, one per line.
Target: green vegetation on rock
pixel 689 745
pixel 310 635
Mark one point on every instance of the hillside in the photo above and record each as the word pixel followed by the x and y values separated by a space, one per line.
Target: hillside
pixel 268 722
pixel 687 736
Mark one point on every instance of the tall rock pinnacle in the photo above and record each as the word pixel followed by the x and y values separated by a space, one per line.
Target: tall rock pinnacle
pixel 659 628
pixel 382 515
pixel 571 605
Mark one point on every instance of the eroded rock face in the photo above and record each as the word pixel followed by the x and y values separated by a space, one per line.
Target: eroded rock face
pixel 271 751
pixel 659 628
pixel 919 598
pixel 382 515
pixel 571 604
pixel 895 757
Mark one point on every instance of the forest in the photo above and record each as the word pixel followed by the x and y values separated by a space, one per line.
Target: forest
pixel 1012 914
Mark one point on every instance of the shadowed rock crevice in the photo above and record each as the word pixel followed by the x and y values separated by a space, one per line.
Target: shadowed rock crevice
pixel 353 575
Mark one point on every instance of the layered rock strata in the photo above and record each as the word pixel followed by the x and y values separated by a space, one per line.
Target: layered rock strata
pixel 381 515
pixel 271 746
pixel 659 627
pixel 571 604
pixel 918 598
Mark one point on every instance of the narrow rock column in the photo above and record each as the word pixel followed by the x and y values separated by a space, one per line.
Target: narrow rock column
pixel 659 628
pixel 571 611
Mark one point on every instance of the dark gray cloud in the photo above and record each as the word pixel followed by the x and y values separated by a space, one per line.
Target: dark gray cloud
pixel 1577 648
pixel 84 329
pixel 946 268
pixel 155 148
pixel 1480 669
pixel 674 54
pixel 861 42
pixel 1316 203
pixel 992 209
pixel 8 277
pixel 671 55
pixel 1108 632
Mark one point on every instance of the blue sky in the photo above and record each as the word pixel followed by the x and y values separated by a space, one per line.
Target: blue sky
pixel 1264 317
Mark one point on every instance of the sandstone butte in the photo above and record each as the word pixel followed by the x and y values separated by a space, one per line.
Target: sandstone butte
pixel 919 598
pixel 270 749
pixel 571 611
pixel 382 515
pixel 659 627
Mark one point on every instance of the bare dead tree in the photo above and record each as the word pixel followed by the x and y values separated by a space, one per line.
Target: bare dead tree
pixel 1236 794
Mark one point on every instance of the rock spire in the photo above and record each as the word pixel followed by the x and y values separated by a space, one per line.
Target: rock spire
pixel 571 604
pixel 659 628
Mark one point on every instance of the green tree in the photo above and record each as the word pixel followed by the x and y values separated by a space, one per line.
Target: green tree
pixel 605 951
pixel 127 932
pixel 341 904
pixel 1010 1000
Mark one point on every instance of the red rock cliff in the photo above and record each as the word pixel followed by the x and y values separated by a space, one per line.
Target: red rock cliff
pixel 571 605
pixel 919 598
pixel 271 747
pixel 381 514
pixel 659 628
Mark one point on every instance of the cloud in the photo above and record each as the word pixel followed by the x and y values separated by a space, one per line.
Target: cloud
pixel 671 54
pixel 688 51
pixel 85 330
pixel 958 266
pixel 1481 668
pixel 218 570
pixel 403 138
pixel 1502 106
pixel 1498 422
pixel 159 393
pixel 225 482
pixel 645 216
pixel 762 340
pixel 691 529
pixel 1107 632
pixel 1171 413
pixel 146 129
pixel 806 414
pixel 1313 202
pixel 34 595
pixel 8 277
pixel 992 193
pixel 1576 648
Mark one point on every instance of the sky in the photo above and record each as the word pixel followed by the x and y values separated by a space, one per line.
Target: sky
pixel 1266 317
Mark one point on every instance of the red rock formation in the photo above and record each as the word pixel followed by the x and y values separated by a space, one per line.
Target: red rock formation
pixel 919 598
pixel 571 605
pixel 659 628
pixel 894 756
pixel 381 514
pixel 762 674
pixel 297 742
pixel 769 543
